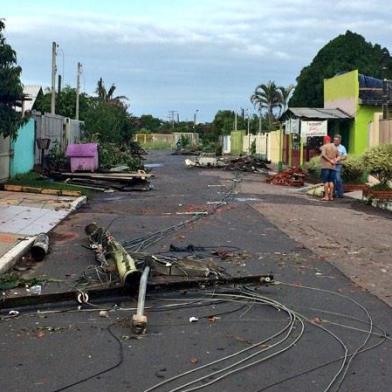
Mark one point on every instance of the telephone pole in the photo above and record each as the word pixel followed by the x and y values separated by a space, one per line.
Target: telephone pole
pixel 195 118
pixel 54 71
pixel 78 73
pixel 171 116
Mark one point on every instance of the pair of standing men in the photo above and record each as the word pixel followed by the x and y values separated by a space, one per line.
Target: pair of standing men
pixel 332 156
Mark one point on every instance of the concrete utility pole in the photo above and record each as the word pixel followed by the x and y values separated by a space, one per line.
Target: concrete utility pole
pixel 54 71
pixel 78 73
pixel 260 124
pixel 235 121
pixel 247 112
pixel 195 118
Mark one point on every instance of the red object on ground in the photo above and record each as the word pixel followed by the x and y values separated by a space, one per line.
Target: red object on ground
pixel 293 176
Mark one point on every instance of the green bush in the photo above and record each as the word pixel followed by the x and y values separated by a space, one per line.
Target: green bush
pixel 378 162
pixel 313 167
pixel 354 170
pixel 111 155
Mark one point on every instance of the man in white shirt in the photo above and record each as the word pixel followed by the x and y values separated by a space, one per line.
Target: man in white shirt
pixel 339 166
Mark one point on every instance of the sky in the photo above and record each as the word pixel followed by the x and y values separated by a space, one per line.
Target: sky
pixel 183 55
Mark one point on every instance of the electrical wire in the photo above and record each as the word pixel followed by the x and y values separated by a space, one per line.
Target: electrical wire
pixel 273 303
pixel 116 365
pixel 140 243
pixel 312 369
pixel 342 373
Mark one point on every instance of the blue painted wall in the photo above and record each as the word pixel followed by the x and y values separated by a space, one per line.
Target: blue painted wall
pixel 23 149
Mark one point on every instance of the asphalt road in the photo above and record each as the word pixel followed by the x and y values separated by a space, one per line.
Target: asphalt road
pixel 48 351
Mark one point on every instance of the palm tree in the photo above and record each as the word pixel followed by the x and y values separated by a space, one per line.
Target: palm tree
pixel 267 97
pixel 107 95
pixel 285 94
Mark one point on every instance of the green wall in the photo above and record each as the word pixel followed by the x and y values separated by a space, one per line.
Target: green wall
pixel 359 136
pixel 237 138
pixel 342 92
pixel 341 87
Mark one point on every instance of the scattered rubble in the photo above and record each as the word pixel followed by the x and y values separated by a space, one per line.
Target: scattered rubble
pixel 122 181
pixel 293 176
pixel 246 163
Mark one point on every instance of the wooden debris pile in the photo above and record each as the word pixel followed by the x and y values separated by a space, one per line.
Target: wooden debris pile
pixel 122 181
pixel 293 176
pixel 246 164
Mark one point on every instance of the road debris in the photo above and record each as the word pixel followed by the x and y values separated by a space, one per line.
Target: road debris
pixel 122 181
pixel 293 176
pixel 111 256
pixel 246 163
pixel 139 320
pixel 36 289
pixel 40 247
pixel 193 319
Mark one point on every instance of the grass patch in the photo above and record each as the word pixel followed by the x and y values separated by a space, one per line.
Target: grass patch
pixel 35 180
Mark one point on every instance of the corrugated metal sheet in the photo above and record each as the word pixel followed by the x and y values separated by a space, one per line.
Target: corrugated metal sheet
pixel 317 113
pixel 52 127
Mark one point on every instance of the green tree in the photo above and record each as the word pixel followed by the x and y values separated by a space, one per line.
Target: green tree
pixel 108 95
pixel 11 89
pixel 285 95
pixel 267 97
pixel 344 53
pixel 65 103
pixel 150 122
pixel 108 123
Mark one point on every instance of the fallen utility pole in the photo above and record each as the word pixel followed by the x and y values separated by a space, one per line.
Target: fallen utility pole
pixel 118 293
pixel 139 320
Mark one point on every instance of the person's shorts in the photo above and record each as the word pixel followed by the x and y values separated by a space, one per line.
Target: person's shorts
pixel 328 175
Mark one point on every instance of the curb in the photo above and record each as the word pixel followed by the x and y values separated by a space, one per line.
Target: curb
pixel 78 203
pixel 8 260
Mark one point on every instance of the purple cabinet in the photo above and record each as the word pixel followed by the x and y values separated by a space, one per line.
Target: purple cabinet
pixel 83 157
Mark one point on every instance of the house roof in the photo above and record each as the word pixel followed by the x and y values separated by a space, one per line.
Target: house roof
pixel 317 113
pixel 31 93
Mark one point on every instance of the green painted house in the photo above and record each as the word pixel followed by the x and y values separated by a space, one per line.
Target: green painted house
pixel 359 96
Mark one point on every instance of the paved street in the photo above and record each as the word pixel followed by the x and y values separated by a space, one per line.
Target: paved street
pixel 308 246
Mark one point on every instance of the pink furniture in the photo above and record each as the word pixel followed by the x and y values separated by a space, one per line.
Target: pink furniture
pixel 83 157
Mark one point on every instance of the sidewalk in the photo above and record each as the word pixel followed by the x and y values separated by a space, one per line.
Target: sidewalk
pixel 24 215
pixel 353 236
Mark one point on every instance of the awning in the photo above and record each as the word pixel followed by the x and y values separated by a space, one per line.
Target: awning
pixel 316 114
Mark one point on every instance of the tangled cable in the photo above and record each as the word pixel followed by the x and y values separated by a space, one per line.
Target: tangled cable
pixel 279 343
pixel 140 243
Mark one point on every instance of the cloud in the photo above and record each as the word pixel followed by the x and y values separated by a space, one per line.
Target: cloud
pixel 185 54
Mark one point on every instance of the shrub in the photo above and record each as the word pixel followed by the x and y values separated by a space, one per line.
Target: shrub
pixel 111 155
pixel 354 170
pixel 378 162
pixel 313 167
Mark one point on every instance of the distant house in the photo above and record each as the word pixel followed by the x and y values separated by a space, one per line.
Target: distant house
pixel 361 97
pixel 31 93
